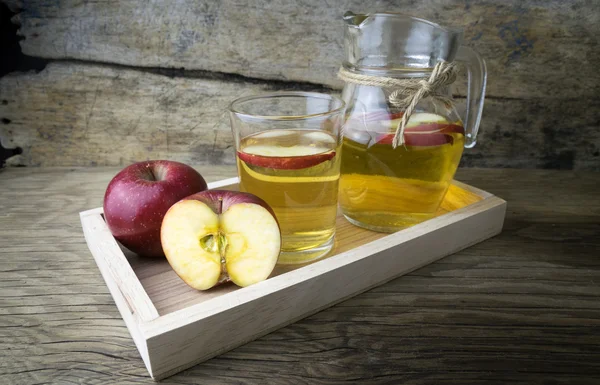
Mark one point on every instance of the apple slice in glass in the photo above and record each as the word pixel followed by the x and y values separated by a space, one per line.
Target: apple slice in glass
pixel 218 236
pixel 285 158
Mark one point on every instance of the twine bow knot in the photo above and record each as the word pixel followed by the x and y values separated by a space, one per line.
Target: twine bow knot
pixel 409 92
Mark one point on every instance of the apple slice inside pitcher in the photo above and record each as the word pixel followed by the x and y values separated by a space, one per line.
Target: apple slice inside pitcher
pixel 418 140
pixel 382 116
pixel 424 129
pixel 285 158
pixel 416 119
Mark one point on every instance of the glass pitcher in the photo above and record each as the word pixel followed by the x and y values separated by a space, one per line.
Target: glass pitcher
pixel 395 174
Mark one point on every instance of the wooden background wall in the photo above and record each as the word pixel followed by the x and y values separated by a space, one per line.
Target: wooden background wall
pixel 139 79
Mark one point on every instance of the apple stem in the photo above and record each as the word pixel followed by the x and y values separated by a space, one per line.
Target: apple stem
pixel 152 177
pixel 215 243
pixel 222 244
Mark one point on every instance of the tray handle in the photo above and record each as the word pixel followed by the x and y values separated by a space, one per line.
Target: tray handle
pixel 107 253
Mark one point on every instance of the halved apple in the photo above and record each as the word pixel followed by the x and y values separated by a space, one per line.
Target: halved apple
pixel 216 236
pixel 285 158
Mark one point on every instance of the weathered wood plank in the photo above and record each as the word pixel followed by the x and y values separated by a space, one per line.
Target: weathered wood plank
pixel 74 114
pixel 521 308
pixel 545 49
pixel 95 115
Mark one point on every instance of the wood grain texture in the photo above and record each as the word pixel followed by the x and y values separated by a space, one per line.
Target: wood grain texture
pixel 521 308
pixel 95 115
pixel 74 114
pixel 538 49
pixel 102 245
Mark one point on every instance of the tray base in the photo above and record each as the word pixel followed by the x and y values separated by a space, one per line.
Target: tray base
pixel 175 326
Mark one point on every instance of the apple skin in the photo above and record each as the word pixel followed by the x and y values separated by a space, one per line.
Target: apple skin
pixel 285 162
pixel 221 200
pixel 138 197
pixel 428 134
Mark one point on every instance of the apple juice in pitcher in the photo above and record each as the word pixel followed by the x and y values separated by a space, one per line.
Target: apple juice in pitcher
pixel 288 154
pixel 389 187
pixel 402 137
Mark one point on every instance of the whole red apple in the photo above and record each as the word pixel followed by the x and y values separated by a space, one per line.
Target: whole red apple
pixel 138 197
pixel 217 235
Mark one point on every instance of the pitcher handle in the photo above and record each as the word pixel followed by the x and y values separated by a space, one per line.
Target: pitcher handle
pixel 477 78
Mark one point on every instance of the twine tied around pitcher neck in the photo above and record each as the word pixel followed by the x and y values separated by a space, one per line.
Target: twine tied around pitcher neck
pixel 407 93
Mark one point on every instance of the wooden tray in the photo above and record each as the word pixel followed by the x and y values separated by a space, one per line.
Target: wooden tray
pixel 175 327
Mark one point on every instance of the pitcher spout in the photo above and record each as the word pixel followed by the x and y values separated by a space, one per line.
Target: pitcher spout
pixel 355 20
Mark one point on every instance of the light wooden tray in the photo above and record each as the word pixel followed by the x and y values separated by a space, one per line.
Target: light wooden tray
pixel 175 327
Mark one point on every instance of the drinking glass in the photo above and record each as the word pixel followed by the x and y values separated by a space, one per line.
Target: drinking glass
pixel 288 153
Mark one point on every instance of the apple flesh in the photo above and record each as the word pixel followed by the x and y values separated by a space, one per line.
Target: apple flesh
pixel 217 235
pixel 285 158
pixel 138 197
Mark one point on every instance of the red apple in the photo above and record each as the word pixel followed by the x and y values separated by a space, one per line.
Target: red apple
pixel 285 158
pixel 217 235
pixel 138 197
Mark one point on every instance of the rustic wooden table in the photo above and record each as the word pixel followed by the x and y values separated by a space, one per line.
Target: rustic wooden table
pixel 521 308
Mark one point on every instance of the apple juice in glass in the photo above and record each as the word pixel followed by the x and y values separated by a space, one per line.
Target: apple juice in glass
pixel 288 154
